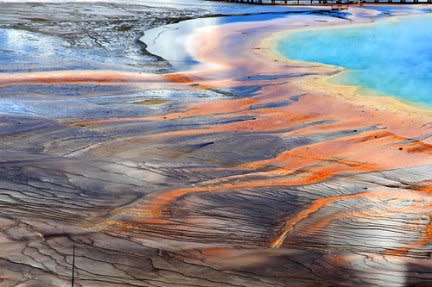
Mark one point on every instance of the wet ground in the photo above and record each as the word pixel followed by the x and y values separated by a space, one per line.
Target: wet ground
pixel 84 35
pixel 202 177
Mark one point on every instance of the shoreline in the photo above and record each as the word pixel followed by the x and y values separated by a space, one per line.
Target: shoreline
pixel 357 92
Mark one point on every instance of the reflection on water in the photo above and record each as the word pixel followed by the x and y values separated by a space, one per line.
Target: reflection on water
pixel 20 47
pixel 21 50
pixel 389 57
pixel 169 42
pixel 24 51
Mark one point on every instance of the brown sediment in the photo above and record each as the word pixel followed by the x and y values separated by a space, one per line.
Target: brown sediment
pixel 364 209
pixel 358 152
pixel 100 77
pixel 179 78
pixel 317 205
pixel 75 78
pixel 297 177
pixel 424 240
pixel 389 144
pixel 339 177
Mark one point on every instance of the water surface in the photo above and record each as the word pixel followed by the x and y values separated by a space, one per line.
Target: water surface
pixel 392 57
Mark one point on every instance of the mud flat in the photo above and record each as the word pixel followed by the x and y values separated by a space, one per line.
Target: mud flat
pixel 245 169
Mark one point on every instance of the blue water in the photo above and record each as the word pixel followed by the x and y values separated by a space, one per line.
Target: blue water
pixel 389 57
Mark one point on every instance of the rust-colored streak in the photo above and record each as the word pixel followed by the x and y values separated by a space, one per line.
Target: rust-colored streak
pixel 179 78
pixel 310 175
pixel 394 206
pixel 317 205
pixel 425 239
pixel 76 78
pixel 340 135
pixel 101 77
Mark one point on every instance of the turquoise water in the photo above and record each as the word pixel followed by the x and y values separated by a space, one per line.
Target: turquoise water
pixel 389 57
